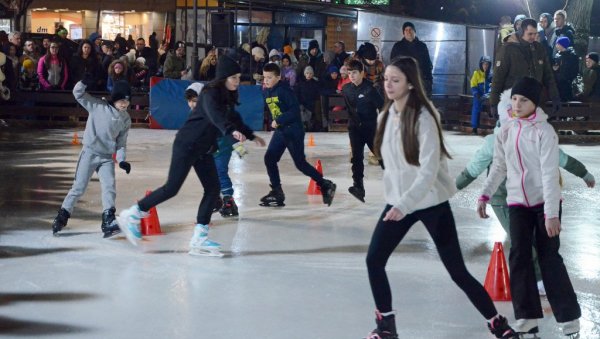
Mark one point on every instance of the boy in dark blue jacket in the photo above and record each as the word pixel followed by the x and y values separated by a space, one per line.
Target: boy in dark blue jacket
pixel 362 103
pixel 289 133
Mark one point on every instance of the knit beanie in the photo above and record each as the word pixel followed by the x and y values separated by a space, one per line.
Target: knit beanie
pixel 196 87
pixel 408 24
pixel 564 41
pixel 367 51
pixel 227 67
pixel 332 69
pixel 273 53
pixel 313 44
pixel 28 64
pixel 121 90
pixel 309 69
pixel 593 56
pixel 529 88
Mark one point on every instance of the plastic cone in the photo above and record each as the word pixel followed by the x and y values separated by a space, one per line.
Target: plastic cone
pixel 311 141
pixel 313 188
pixel 75 140
pixel 150 224
pixel 497 281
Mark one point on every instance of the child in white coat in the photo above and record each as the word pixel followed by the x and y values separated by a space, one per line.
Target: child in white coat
pixel 526 154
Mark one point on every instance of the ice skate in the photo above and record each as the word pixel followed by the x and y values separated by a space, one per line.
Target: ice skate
pixel 358 191
pixel 60 221
pixel 109 223
pixel 218 204
pixel 129 222
pixel 229 208
pixel 500 328
pixel 571 329
pixel 526 328
pixel 200 245
pixel 386 327
pixel 328 191
pixel 275 198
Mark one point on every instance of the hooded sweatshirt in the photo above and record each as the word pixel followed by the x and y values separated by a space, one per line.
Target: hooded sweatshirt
pixel 106 128
pixel 526 154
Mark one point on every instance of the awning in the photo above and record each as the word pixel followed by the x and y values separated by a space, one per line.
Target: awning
pixel 326 8
pixel 107 5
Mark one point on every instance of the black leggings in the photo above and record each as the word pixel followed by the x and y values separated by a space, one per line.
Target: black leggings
pixel 182 160
pixel 439 222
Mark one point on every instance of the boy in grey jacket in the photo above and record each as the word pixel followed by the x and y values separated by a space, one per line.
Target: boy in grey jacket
pixel 105 133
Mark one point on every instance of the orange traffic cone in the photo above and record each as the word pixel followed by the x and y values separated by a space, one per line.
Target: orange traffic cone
pixel 150 224
pixel 497 281
pixel 75 140
pixel 311 141
pixel 313 188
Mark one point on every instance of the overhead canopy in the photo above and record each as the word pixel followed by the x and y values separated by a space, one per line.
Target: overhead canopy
pixel 327 8
pixel 107 5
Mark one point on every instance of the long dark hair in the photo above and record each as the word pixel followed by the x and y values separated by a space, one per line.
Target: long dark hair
pixel 417 99
pixel 48 56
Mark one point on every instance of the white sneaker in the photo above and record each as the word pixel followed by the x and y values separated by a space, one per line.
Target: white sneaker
pixel 526 326
pixel 541 288
pixel 129 222
pixel 571 328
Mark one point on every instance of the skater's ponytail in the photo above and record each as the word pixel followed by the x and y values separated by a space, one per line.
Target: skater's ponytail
pixel 409 118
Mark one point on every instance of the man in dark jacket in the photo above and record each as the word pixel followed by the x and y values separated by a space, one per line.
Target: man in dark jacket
pixel 175 64
pixel 411 46
pixel 561 29
pixel 566 67
pixel 147 53
pixel 315 59
pixel 591 79
pixel 526 57
pixel 340 54
pixel 545 31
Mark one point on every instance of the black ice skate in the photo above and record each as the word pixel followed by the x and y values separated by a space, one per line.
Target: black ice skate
pixel 500 328
pixel 109 223
pixel 60 221
pixel 358 191
pixel 218 205
pixel 386 327
pixel 328 191
pixel 229 208
pixel 275 198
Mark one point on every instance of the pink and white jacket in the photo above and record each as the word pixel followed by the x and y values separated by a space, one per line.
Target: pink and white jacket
pixel 526 153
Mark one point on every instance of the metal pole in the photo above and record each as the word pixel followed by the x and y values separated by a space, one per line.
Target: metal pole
pixel 250 22
pixel 195 45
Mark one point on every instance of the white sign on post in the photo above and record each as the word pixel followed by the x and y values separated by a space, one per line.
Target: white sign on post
pixel 304 43
pixel 376 34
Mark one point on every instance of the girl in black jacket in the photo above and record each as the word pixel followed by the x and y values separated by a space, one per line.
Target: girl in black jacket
pixel 194 146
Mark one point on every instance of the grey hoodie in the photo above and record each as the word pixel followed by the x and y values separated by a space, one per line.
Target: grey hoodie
pixel 106 128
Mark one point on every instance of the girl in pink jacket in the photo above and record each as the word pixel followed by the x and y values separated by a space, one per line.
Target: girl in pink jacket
pixel 526 154
pixel 52 70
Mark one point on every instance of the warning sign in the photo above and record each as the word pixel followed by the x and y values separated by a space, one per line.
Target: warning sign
pixel 375 32
pixel 376 37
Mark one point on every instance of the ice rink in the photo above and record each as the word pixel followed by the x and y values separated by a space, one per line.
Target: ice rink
pixel 292 272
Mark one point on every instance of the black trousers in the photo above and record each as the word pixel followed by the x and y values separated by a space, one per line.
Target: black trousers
pixel 527 225
pixel 439 222
pixel 182 160
pixel 359 137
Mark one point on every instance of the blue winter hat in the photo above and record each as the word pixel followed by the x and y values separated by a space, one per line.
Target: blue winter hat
pixel 564 41
pixel 332 69
pixel 94 36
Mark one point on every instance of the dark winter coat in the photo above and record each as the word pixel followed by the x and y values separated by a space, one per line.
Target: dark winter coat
pixel 566 30
pixel 568 67
pixel 339 59
pixel 79 66
pixel 517 60
pixel 591 84
pixel 318 64
pixel 362 103
pixel 283 106
pixel 307 92
pixel 212 118
pixel 418 50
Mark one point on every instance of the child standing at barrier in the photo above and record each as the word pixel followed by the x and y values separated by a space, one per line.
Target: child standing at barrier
pixel 362 102
pixel 105 133
pixel 526 154
pixel 194 146
pixel 285 114
pixel 417 187
pixel 480 89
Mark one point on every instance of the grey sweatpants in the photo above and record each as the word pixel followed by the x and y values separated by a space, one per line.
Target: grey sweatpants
pixel 86 166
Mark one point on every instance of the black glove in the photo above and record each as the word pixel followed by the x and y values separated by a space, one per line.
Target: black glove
pixel 88 79
pixel 124 165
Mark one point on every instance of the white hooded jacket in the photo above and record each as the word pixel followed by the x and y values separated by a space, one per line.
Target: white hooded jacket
pixel 526 153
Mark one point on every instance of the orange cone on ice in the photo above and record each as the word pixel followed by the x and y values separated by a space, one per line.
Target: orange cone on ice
pixel 150 224
pixel 311 141
pixel 497 281
pixel 313 188
pixel 75 140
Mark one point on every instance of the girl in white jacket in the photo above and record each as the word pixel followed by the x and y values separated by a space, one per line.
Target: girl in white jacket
pixel 417 188
pixel 526 154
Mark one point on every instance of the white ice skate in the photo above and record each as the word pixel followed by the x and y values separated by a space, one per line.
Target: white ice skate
pixel 526 328
pixel 571 329
pixel 200 245
pixel 129 222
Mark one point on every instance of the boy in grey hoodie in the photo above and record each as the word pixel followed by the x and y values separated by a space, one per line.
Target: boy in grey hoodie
pixel 105 133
